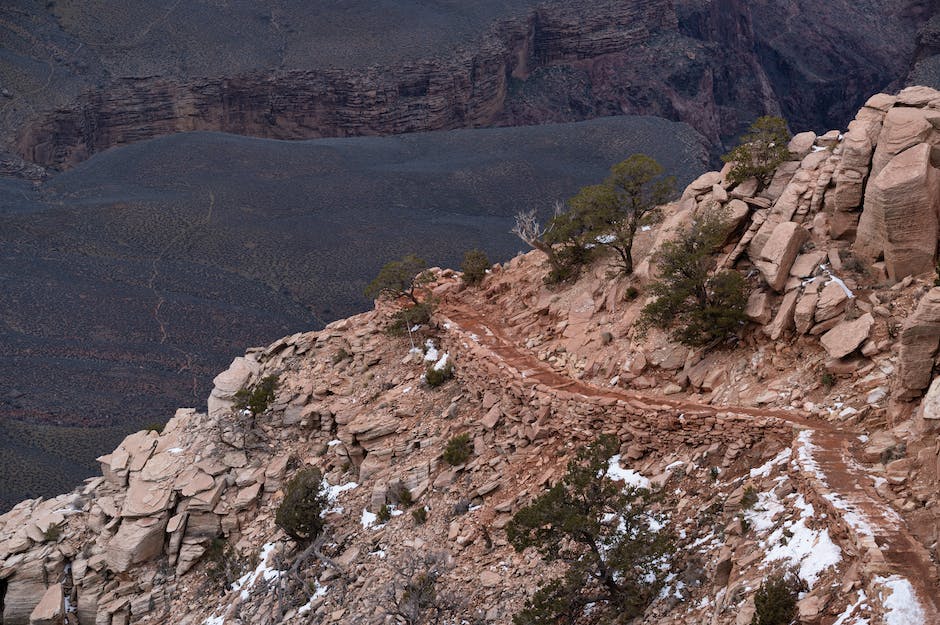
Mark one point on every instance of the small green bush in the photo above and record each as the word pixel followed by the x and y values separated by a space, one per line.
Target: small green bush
pixel 763 148
pixel 775 601
pixel 410 316
pixel 458 450
pixel 474 266
pixel 404 497
pixel 420 515
pixel 827 379
pixel 52 534
pixel 749 498
pixel 156 426
pixel 300 514
pixel 223 565
pixel 435 377
pixel 384 514
pixel 257 399
pixel 340 356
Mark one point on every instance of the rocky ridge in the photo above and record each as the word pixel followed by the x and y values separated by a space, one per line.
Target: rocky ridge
pixel 817 412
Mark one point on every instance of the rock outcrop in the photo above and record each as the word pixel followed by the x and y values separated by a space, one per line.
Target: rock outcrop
pixel 900 219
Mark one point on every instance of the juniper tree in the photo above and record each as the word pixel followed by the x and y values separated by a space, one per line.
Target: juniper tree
pixel 701 308
pixel 612 544
pixel 761 150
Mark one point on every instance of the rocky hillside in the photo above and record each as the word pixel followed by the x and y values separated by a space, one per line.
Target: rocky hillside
pixel 809 445
pixel 79 78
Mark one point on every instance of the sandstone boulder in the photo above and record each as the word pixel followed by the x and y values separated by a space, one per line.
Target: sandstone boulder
pixel 848 336
pixel 903 128
pixel 51 608
pixel 779 252
pixel 801 144
pixel 136 541
pixel 783 321
pixel 229 382
pixel 758 307
pixel 900 215
pixel 832 300
pixel 920 337
pixel 805 264
pixel 804 311
pixel 917 95
pixel 702 184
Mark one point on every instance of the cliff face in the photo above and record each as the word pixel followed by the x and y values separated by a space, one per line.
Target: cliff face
pixel 715 65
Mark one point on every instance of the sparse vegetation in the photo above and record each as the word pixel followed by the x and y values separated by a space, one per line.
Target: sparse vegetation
pixel 299 514
pixel 257 399
pixel 435 376
pixel 827 379
pixel 749 498
pixel 223 565
pixel 701 308
pixel 52 534
pixel 603 533
pixel 403 495
pixel 155 426
pixel 413 597
pixel 474 266
pixel 400 278
pixel 762 149
pixel 420 515
pixel 458 449
pixel 340 355
pixel 384 515
pixel 775 601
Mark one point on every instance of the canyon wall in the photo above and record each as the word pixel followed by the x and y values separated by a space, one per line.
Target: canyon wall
pixel 714 65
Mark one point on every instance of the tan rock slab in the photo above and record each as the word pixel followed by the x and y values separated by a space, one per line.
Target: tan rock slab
pixel 900 214
pixel 51 608
pixel 848 336
pixel 779 252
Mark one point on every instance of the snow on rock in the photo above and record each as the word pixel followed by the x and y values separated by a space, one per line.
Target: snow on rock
pixel 900 601
pixel 368 518
pixel 765 469
pixel 628 476
pixel 319 591
pixel 430 352
pixel 262 571
pixel 442 362
pixel 808 550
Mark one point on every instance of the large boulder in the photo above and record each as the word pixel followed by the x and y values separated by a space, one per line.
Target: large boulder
pixel 900 215
pixel 848 336
pixel 51 608
pixel 903 128
pixel 778 254
pixel 920 337
pixel 136 541
pixel 229 382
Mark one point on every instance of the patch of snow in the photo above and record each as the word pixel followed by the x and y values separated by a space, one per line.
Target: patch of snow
pixel 762 514
pixel 900 604
pixel 430 352
pixel 320 591
pixel 214 620
pixel 812 550
pixel 628 476
pixel 334 442
pixel 332 492
pixel 606 239
pixel 850 611
pixel 474 338
pixel 645 228
pixel 175 450
pixel 368 518
pixel 406 390
pixel 262 571
pixel 674 465
pixel 765 469
pixel 838 280
pixel 447 324
pixel 442 362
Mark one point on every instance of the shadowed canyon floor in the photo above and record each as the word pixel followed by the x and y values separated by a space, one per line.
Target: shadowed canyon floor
pixel 136 276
